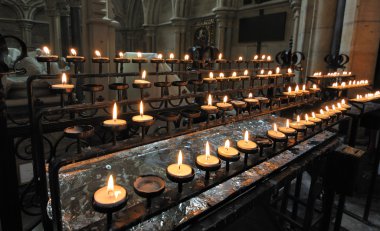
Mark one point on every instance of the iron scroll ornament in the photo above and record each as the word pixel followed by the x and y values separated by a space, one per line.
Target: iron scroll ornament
pixel 335 61
pixel 4 52
pixel 289 59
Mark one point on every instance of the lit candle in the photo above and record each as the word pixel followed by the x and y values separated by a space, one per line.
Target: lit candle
pixel 262 71
pixel 209 106
pixel 269 72
pixel 297 88
pixel 221 75
pixel 269 58
pixel 322 115
pixel 287 130
pixel 142 118
pixel 227 151
pixel 250 99
pixel 64 84
pixel 114 122
pixel 290 71
pixel 98 54
pixel 121 54
pixel 240 58
pixel 73 57
pixel 139 58
pixel 277 70
pixel 139 55
pixel 207 160
pixel 171 56
pixel 276 134
pixel 46 56
pixel 187 57
pixel 246 144
pixel 314 119
pixel 142 80
pixel 159 56
pixel 46 51
pixel 234 74
pixel 98 58
pixel 307 122
pixel 304 87
pixel 179 169
pixel 298 125
pixel 110 195
pixel 246 73
pixel 263 57
pixel 220 56
pixel 255 57
pixel 224 105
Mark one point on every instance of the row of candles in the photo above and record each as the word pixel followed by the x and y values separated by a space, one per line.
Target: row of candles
pixel 333 73
pixel 181 173
pixel 368 96
pixel 297 90
pixel 121 57
pixel 351 83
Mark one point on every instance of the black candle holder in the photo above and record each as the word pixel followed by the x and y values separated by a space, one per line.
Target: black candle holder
pixel 210 112
pixel 144 125
pixel 293 134
pixel 114 130
pixel 262 101
pixel 251 103
pixel 79 132
pixel 62 93
pixel 263 142
pixel 179 84
pixel 209 81
pixel 47 59
pixel 196 83
pixel 247 152
pixel 238 105
pixel 142 86
pixel 109 209
pixel 223 109
pixel 100 61
pixel 76 60
pixel 168 116
pixel 208 169
pixel 119 63
pixel 149 186
pixel 93 88
pixel 120 88
pixel 139 61
pixel 190 114
pixel 300 129
pixel 180 180
pixel 277 140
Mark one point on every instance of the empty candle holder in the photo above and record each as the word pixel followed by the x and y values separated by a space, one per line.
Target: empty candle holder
pixel 79 132
pixel 190 114
pixel 149 186
pixel 239 106
pixel 93 88
pixel 168 116
pixel 196 84
pixel 109 199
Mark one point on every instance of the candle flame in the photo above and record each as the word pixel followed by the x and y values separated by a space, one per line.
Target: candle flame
pixel 64 78
pixel 97 53
pixel 314 86
pixel 227 144
pixel 207 150
pixel 114 112
pixel 139 55
pixel 269 58
pixel 159 56
pixel 179 159
pixel 187 57
pixel 171 56
pixel 327 108
pixel 306 117
pixel 262 71
pixel 234 74
pixel 221 75
pixel 121 54
pixel 304 87
pixel 255 57
pixel 246 136
pixel 313 114
pixel 275 127
pixel 250 95
pixel 220 56
pixel 269 72
pixel 240 58
pixel 263 57
pixel 277 70
pixel 297 88
pixel 73 52
pixel 343 102
pixel 46 50
pixel 287 123
pixel 339 105
pixel 321 111
pixel 143 75
pixel 211 75
pixel 141 109
pixel 289 89
pixel 209 100
pixel 110 185
pixel 298 118
pixel 246 72
pixel 225 99
pixel 333 106
pixel 290 70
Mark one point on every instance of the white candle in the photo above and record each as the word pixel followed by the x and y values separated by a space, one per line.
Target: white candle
pixel 224 104
pixel 276 134
pixel 142 118
pixel 179 169
pixel 64 84
pixel 115 121
pixel 142 80
pixel 209 106
pixel 207 160
pixel 227 151
pixel 110 194
pixel 287 130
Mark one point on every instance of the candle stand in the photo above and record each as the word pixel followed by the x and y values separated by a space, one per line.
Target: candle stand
pixel 120 63
pixel 79 132
pixel 168 116
pixel 77 61
pixel 223 109
pixel 100 61
pixel 277 140
pixel 208 169
pixel 93 88
pixel 299 127
pixel 114 130
pixel 47 59
pixel 142 86
pixel 263 143
pixel 179 179
pixel 228 159
pixel 289 132
pixel 190 114
pixel 109 209
pixel 247 152
pixel 62 93
pixel 144 125
pixel 149 186
pixel 238 106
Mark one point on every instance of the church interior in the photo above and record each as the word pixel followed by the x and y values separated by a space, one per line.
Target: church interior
pixel 190 115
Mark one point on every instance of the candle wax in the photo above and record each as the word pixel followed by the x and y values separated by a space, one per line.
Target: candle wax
pixel 297 125
pixel 230 152
pixel 251 100
pixel 102 196
pixel 307 123
pixel 322 116
pixel 286 130
pixel 183 171
pixel 114 123
pixel 208 108
pixel 140 81
pixel 315 120
pixel 224 105
pixel 212 161
pixel 143 118
pixel 62 86
pixel 246 145
pixel 276 135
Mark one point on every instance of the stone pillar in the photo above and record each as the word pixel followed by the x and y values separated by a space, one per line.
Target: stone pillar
pixel 180 36
pixel 224 15
pixel 55 31
pixel 26 29
pixel 65 27
pixel 150 38
pixel 76 25
pixel 295 5
pixel 322 33
pixel 361 36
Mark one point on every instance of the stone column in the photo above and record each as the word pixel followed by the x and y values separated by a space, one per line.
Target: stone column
pixel 26 29
pixel 65 27
pixel 224 15
pixel 180 39
pixel 322 33
pixel 150 38
pixel 295 5
pixel 55 30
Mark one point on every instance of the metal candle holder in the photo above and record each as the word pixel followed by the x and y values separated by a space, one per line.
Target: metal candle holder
pixel 180 180
pixel 149 186
pixel 208 169
pixel 247 152
pixel 114 130
pixel 79 132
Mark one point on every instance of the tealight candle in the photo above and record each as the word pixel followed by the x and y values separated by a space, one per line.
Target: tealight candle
pixel 287 130
pixel 142 80
pixel 277 70
pixel 328 112
pixel 179 169
pixel 139 58
pixel 314 119
pixel 269 58
pixel 47 57
pixel 263 57
pixel 227 151
pixel 210 78
pixel 298 125
pixel 276 134
pixel 209 106
pixel 322 115
pixel 250 99
pixel 221 77
pixel 142 118
pixel 115 122
pixel 64 84
pixel 220 59
pixel 73 57
pixel 290 71
pixel 256 57
pixel 246 144
pixel 307 122
pixel 111 195
pixel 206 160
pixel 98 58
pixel 224 105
